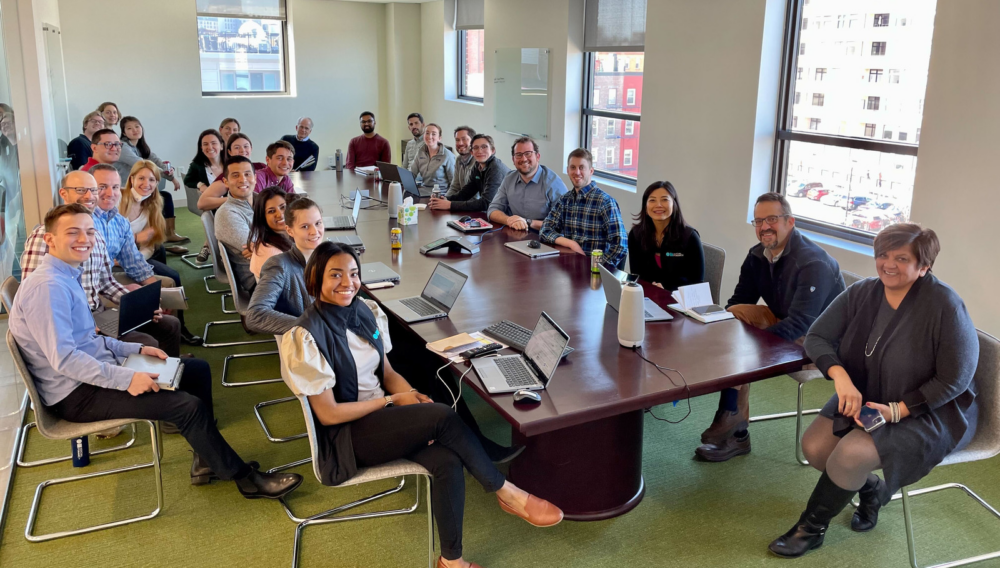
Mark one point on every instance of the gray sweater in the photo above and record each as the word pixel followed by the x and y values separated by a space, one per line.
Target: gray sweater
pixel 232 228
pixel 130 155
pixel 463 171
pixel 280 296
pixel 439 169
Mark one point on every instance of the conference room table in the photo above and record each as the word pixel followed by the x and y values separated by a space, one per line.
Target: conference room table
pixel 584 441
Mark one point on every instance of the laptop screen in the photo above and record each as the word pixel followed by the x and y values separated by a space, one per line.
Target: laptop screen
pixel 444 285
pixel 612 287
pixel 546 346
pixel 357 205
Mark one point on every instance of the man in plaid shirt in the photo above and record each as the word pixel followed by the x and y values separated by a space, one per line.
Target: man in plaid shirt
pixel 81 187
pixel 586 218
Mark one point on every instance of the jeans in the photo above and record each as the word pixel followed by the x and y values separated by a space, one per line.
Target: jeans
pixel 168 205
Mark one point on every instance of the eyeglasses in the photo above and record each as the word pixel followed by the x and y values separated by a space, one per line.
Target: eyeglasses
pixel 521 155
pixel 367 122
pixel 83 190
pixel 770 220
pixel 484 147
pixel 111 145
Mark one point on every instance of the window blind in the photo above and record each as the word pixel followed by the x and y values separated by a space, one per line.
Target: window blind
pixel 615 25
pixel 272 9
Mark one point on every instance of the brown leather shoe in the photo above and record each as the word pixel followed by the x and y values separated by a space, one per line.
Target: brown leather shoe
pixel 727 423
pixel 540 512
pixel 728 449
pixel 176 250
pixel 441 563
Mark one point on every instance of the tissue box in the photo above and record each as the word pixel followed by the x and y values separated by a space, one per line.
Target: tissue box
pixel 407 215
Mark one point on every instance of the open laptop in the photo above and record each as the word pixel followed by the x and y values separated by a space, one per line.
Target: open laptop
pixel 531 370
pixel 613 294
pixel 436 300
pixel 343 222
pixel 135 310
pixel 375 272
pixel 392 172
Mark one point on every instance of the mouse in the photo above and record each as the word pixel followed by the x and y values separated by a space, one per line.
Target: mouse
pixel 527 396
pixel 465 219
pixel 534 244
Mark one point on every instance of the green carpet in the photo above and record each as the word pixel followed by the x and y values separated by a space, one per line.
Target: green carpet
pixel 693 514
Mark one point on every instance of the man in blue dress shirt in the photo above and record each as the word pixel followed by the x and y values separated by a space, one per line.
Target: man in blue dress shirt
pixel 527 194
pixel 78 374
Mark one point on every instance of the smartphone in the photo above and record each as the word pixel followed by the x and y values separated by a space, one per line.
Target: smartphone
pixel 871 419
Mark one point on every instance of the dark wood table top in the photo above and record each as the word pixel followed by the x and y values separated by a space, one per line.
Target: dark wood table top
pixel 598 380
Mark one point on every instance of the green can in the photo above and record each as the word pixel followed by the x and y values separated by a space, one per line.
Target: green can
pixel 596 256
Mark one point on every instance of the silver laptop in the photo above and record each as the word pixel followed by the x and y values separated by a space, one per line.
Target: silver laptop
pixel 531 370
pixel 342 222
pixel 375 272
pixel 134 310
pixel 435 301
pixel 353 241
pixel 540 252
pixel 613 294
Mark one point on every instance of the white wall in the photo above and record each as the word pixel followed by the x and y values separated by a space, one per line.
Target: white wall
pixel 143 55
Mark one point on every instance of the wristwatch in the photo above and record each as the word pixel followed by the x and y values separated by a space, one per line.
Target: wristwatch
pixel 388 402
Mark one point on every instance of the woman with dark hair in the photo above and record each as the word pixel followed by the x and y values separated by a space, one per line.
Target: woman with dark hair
pixel 267 230
pixel 135 148
pixel 367 414
pixel 902 344
pixel 662 248
pixel 208 161
pixel 212 198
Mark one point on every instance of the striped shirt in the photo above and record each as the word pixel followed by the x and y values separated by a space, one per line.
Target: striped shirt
pixel 96 278
pixel 591 218
pixel 120 242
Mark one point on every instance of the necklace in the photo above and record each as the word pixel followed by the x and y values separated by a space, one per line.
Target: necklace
pixel 874 347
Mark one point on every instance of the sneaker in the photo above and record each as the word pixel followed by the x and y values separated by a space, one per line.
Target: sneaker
pixel 728 449
pixel 204 254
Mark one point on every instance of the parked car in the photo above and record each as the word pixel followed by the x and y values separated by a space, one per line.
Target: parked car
pixel 833 199
pixel 803 189
pixel 854 202
pixel 817 193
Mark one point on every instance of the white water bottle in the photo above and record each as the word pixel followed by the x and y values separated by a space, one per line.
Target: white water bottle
pixel 395 198
pixel 631 323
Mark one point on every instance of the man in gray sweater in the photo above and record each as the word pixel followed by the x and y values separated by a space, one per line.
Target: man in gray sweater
pixel 281 296
pixel 233 218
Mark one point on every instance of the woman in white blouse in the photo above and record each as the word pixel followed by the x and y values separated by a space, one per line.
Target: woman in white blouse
pixel 267 230
pixel 366 412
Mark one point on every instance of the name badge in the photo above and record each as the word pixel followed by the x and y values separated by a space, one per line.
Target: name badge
pixel 674 254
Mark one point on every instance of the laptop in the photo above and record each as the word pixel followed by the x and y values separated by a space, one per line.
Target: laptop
pixel 540 252
pixel 613 294
pixel 531 370
pixel 392 172
pixel 135 310
pixel 435 301
pixel 342 222
pixel 375 272
pixel 350 240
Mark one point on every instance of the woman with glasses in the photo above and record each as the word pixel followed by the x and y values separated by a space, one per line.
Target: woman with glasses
pixel 78 149
pixel 484 180
pixel 662 248
pixel 434 164
pixel 135 148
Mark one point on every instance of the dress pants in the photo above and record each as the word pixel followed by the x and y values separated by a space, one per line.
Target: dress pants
pixel 404 432
pixel 164 334
pixel 190 408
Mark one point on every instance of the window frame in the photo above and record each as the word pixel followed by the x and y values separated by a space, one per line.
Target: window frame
pixel 785 136
pixel 461 69
pixel 589 115
pixel 283 73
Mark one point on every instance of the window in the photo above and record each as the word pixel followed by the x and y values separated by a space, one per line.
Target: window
pixel 471 64
pixel 798 97
pixel 607 73
pixel 805 23
pixel 242 48
pixel 802 49
pixel 852 154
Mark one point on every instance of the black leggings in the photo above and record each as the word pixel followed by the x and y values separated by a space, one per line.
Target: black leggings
pixel 168 205
pixel 404 432
pixel 158 262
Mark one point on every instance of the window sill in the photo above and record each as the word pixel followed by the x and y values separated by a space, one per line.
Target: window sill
pixel 606 183
pixel 247 95
pixel 843 244
pixel 464 101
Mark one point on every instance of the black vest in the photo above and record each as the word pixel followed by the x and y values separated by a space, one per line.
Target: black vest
pixel 329 324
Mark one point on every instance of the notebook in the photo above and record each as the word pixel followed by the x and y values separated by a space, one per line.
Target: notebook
pixel 169 369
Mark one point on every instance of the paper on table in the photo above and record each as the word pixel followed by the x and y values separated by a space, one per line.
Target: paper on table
pixel 366 170
pixel 173 298
pixel 450 347
pixel 693 296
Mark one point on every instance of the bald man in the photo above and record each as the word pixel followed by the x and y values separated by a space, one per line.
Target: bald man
pixel 304 147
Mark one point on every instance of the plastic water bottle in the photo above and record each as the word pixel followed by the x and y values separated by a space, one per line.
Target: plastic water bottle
pixel 436 192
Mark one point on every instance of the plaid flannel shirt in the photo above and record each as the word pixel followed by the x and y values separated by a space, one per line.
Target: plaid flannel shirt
pixel 120 243
pixel 97 280
pixel 591 218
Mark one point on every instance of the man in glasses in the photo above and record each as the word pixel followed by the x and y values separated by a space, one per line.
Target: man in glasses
pixel 527 194
pixel 365 150
pixel 79 149
pixel 797 280
pixel 106 148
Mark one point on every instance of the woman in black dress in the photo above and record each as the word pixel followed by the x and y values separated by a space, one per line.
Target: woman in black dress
pixel 662 248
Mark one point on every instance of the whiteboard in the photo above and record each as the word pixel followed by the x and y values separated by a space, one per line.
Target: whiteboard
pixel 521 89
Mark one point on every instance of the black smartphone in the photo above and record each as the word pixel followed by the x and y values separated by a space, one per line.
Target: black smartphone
pixel 871 419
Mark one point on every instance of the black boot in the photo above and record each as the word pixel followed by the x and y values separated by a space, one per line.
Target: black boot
pixel 201 474
pixel 825 503
pixel 873 496
pixel 259 485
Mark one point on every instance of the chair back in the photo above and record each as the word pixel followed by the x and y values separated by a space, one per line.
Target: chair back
pixel 986 442
pixel 208 221
pixel 850 277
pixel 306 413
pixel 44 420
pixel 240 298
pixel 715 263
pixel 192 200
pixel 7 291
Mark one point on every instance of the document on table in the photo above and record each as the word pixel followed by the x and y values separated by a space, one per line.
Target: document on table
pixel 695 300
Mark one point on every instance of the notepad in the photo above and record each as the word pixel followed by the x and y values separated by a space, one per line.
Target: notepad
pixel 169 369
pixel 696 302
pixel 173 298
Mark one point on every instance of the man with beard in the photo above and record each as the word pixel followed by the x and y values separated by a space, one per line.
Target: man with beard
pixel 365 150
pixel 415 122
pixel 463 161
pixel 797 280
pixel 527 194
